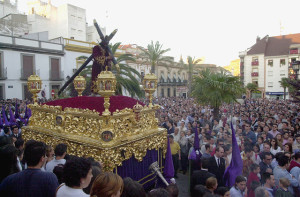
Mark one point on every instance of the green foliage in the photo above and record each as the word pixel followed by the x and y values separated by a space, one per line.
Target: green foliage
pixel 285 84
pixel 252 87
pixel 154 55
pixel 189 66
pixel 209 88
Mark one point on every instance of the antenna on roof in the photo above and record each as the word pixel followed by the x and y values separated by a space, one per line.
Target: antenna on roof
pixel 281 28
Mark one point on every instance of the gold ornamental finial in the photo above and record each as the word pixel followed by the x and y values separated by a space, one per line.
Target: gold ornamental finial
pixel 150 85
pixel 34 84
pixel 106 85
pixel 79 84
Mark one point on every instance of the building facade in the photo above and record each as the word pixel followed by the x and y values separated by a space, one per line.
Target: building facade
pixel 268 61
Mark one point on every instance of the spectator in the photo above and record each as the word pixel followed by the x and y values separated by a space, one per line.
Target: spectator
pixel 261 192
pixel 200 176
pixel 160 192
pixel 134 189
pixel 59 171
pixel 211 184
pixel 223 192
pixel 9 161
pixel 217 165
pixel 274 146
pixel 96 170
pixel 254 168
pixel 283 191
pixel 265 165
pixel 288 147
pixel 31 182
pixel 107 184
pixel 268 181
pixel 281 172
pixel 296 162
pixel 239 189
pixel 176 155
pixel 60 153
pixel 172 190
pixel 77 174
pixel 198 191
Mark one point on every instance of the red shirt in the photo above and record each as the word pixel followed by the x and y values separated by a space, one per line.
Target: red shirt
pixel 294 164
pixel 252 177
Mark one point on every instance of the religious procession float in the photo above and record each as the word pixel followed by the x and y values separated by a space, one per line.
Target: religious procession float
pixel 120 132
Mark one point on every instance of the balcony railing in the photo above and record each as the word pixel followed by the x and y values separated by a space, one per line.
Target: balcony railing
pixel 294 51
pixel 56 76
pixel 254 74
pixel 172 83
pixel 3 74
pixel 255 63
pixel 25 74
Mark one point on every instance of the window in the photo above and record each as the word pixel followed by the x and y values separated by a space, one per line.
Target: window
pixel 162 92
pixel 27 66
pixel 255 70
pixel 169 92
pixel 282 73
pixel 270 62
pixel 270 73
pixel 254 59
pixel 55 69
pixel 282 62
pixel 174 92
pixel 270 84
pixel 2 94
pixel 255 82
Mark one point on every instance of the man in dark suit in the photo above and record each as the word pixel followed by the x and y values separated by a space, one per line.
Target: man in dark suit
pixel 200 176
pixel 15 132
pixel 217 165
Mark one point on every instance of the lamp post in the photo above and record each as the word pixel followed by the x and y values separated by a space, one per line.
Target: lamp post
pixel 296 67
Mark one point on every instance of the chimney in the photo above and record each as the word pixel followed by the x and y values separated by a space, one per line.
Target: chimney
pixel 257 39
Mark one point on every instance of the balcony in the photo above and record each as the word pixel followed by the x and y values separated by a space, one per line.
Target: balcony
pixel 254 74
pixel 3 74
pixel 26 73
pixel 172 83
pixel 294 51
pixel 56 76
pixel 255 63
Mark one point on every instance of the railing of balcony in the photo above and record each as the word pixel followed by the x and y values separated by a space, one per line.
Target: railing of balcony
pixel 294 51
pixel 255 63
pixel 56 76
pixel 26 73
pixel 254 74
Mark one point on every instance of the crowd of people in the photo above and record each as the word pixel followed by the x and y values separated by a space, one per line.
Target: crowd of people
pixel 267 133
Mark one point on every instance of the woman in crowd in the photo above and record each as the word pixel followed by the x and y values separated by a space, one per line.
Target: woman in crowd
pixel 288 147
pixel 274 146
pixel 77 174
pixel 107 184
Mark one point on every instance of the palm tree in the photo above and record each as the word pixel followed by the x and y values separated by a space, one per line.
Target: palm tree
pixel 125 74
pixel 191 62
pixel 251 87
pixel 154 54
pixel 284 83
pixel 209 88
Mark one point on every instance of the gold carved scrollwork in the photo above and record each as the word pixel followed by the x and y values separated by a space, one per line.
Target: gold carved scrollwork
pixel 81 130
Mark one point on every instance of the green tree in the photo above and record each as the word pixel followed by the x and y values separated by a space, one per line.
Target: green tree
pixel 285 84
pixel 210 88
pixel 191 63
pixel 251 87
pixel 154 54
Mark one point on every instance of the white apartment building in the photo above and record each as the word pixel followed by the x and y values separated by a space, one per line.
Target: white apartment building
pixel 269 60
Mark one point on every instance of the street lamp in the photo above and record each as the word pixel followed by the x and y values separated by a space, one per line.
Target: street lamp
pixel 296 67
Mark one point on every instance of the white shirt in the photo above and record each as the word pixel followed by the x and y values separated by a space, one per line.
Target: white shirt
pixel 273 151
pixel 65 191
pixel 51 165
